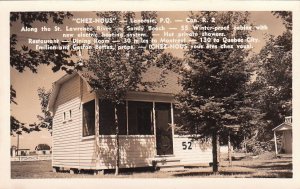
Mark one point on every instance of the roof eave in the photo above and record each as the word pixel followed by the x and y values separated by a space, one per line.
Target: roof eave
pixel 55 89
pixel 282 125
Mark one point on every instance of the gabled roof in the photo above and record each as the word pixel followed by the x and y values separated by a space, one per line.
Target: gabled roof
pixel 171 81
pixel 171 84
pixel 283 126
pixel 55 89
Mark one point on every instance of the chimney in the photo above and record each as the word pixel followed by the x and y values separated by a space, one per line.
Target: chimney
pixel 288 119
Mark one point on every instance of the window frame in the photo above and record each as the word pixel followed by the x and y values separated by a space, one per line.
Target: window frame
pixel 82 116
pixel 126 104
pixel 152 124
pixel 113 121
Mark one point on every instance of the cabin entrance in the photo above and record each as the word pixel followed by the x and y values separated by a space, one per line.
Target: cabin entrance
pixel 164 134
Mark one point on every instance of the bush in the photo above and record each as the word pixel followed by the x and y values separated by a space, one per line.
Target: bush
pixel 258 147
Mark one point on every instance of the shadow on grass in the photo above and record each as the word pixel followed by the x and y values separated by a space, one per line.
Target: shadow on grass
pixel 275 175
pixel 271 166
pixel 224 173
pixel 122 171
pixel 131 171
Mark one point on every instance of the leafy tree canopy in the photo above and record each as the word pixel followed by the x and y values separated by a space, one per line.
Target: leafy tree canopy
pixel 22 57
pixel 42 147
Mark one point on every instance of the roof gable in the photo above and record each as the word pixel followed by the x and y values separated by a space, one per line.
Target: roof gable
pixel 287 125
pixel 171 84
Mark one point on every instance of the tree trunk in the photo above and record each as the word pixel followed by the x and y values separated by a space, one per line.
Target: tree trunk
pixel 229 150
pixel 219 150
pixel 245 145
pixel 117 141
pixel 215 141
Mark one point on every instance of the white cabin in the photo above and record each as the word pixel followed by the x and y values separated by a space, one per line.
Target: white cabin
pixel 84 136
pixel 285 130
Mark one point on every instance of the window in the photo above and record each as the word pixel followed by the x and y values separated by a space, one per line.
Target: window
pixel 70 114
pixel 88 118
pixel 140 116
pixel 107 118
pixel 65 117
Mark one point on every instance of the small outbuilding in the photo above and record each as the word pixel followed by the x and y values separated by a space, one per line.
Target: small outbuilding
pixel 285 131
pixel 42 152
pixel 84 136
pixel 13 151
pixel 43 149
pixel 22 152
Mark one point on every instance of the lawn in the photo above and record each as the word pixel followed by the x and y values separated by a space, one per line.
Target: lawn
pixel 263 167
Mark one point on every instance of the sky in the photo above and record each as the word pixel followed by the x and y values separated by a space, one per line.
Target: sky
pixel 27 83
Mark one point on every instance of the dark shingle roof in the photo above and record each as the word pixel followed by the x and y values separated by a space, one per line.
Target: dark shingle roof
pixel 170 84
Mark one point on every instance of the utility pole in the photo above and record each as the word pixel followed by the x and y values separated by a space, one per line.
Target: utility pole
pixel 18 143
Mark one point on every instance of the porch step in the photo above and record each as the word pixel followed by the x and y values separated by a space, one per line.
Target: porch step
pixel 165 161
pixel 167 164
pixel 284 156
pixel 171 168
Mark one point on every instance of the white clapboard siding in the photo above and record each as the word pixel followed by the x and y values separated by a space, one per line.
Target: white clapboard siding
pixel 198 153
pixel 69 150
pixel 134 151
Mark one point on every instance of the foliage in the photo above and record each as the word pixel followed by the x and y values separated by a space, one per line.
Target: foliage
pixel 13 95
pixel 117 70
pixel 42 147
pixel 22 57
pixel 286 17
pixel 274 78
pixel 170 62
pixel 257 147
pixel 46 119
pixel 16 127
pixel 214 86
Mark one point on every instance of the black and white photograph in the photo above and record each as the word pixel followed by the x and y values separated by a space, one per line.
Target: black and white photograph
pixel 151 94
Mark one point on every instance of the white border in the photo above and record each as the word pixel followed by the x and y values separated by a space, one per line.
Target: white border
pixel 6 7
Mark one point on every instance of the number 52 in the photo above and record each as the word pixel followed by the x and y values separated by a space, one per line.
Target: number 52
pixel 187 145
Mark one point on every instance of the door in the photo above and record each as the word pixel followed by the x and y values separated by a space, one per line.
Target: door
pixel 164 134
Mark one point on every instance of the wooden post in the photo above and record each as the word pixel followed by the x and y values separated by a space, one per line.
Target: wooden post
pixel 229 150
pixel 154 126
pixel 215 140
pixel 97 132
pixel 219 149
pixel 127 127
pixel 245 145
pixel 117 141
pixel 172 124
pixel 18 144
pixel 275 140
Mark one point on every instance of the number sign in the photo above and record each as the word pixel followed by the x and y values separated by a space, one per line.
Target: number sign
pixel 187 145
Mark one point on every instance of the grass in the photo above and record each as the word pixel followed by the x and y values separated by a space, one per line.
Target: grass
pixel 264 167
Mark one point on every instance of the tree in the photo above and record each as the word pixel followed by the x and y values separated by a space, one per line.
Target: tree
pixel 42 147
pixel 214 81
pixel 15 125
pixel 46 119
pixel 116 71
pixel 22 57
pixel 274 77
